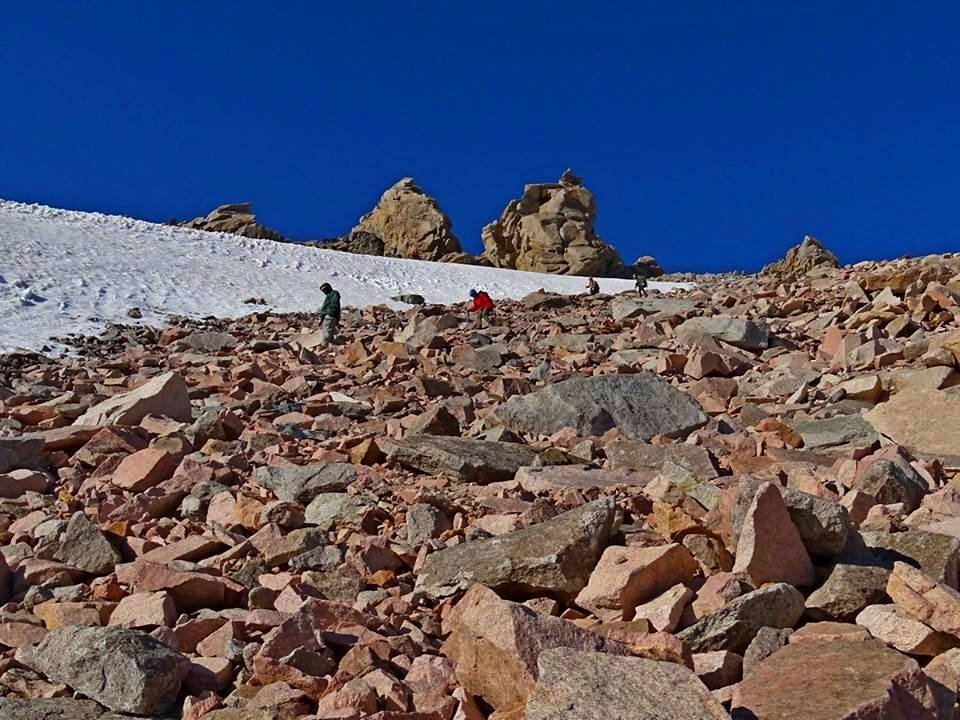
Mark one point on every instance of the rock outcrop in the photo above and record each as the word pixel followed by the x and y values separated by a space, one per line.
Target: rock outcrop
pixel 550 230
pixel 236 219
pixel 803 258
pixel 410 224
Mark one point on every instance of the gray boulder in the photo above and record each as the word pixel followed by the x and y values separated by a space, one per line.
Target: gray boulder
pixel 892 481
pixel 744 334
pixel 554 557
pixel 55 709
pixel 20 452
pixel 640 405
pixel 936 554
pixel 123 670
pixel 335 510
pixel 823 525
pixel 734 626
pixel 303 484
pixel 574 685
pixel 86 548
pixel 625 307
pixel 476 461
pixel 839 433
pixel 847 590
pixel 425 522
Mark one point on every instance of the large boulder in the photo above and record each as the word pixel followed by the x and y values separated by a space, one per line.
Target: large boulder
pixel 21 452
pixel 923 420
pixel 477 461
pixel 550 230
pixel 61 708
pixel 576 685
pixel 410 224
pixel 733 626
pixel 554 557
pixel 801 259
pixel 495 645
pixel 303 483
pixel 124 670
pixel 236 219
pixel 86 548
pixel 836 680
pixel 641 406
pixel 164 395
pixel 744 334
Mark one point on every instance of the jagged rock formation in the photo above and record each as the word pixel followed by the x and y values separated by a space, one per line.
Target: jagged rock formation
pixel 550 229
pixel 236 219
pixel 647 266
pixel 410 223
pixel 802 258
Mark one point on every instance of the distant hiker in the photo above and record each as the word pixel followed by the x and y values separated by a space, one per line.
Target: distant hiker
pixel 330 312
pixel 641 281
pixel 593 287
pixel 482 306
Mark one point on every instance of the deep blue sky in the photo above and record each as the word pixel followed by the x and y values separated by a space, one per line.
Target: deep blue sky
pixel 713 134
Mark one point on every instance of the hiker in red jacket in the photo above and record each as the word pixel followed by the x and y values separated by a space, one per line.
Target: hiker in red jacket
pixel 482 306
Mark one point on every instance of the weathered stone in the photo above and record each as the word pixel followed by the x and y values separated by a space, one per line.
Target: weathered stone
pixel 924 421
pixel 124 670
pixel 625 577
pixel 145 610
pixel 86 548
pixel 21 452
pixel 554 557
pixel 823 525
pixel 336 510
pixel 843 432
pixel 769 548
pixel 425 522
pixel 735 625
pixel 236 219
pixel 164 395
pixel 933 603
pixel 53 709
pixel 744 334
pixel 835 681
pixel 847 590
pixel 576 685
pixel 892 481
pixel 640 456
pixel 410 223
pixel 937 555
pixel 641 406
pixel 303 483
pixel 477 461
pixel 495 645
pixel 801 259
pixel 766 642
pixel 898 628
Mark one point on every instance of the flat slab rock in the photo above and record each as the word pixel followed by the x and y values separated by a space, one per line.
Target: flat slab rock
pixel 302 484
pixel 595 686
pixel 56 709
pixel 558 477
pixel 641 406
pixel 554 557
pixel 835 680
pixel 477 461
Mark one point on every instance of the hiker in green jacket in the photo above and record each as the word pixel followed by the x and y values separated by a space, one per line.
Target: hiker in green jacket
pixel 330 312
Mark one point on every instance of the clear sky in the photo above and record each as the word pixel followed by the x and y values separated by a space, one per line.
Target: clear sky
pixel 714 134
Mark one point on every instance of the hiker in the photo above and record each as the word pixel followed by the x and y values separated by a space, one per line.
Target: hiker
pixel 593 287
pixel 330 312
pixel 641 280
pixel 482 306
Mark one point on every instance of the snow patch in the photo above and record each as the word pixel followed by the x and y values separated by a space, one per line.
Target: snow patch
pixel 64 272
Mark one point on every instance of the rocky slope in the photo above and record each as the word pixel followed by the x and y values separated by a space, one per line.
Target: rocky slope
pixel 549 229
pixel 739 501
